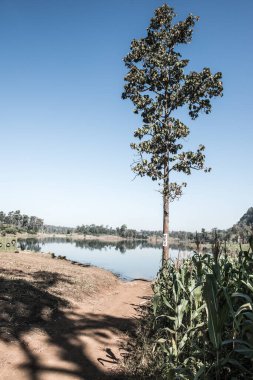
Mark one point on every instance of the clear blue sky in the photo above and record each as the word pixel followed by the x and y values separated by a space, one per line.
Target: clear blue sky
pixel 65 131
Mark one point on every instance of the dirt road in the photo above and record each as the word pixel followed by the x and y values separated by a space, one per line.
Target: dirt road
pixel 46 336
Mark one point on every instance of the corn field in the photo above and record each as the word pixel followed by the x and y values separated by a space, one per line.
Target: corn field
pixel 200 322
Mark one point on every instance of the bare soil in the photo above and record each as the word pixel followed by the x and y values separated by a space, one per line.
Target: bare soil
pixel 60 321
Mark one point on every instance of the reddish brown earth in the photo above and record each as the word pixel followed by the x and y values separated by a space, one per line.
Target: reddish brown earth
pixel 60 321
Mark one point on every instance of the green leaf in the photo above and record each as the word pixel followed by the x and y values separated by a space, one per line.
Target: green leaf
pixel 200 372
pixel 210 295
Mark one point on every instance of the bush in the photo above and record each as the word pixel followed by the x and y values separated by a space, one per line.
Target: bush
pixel 10 230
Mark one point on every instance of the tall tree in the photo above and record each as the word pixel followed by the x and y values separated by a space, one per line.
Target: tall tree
pixel 158 86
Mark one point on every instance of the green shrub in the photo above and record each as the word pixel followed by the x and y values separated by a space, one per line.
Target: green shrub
pixel 11 230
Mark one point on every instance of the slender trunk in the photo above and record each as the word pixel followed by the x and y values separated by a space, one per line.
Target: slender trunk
pixel 165 256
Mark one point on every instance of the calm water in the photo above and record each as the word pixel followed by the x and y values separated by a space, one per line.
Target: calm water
pixel 130 260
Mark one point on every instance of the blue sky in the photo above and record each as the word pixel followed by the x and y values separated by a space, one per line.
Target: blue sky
pixel 65 132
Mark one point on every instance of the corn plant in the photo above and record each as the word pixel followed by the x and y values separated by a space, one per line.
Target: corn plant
pixel 200 321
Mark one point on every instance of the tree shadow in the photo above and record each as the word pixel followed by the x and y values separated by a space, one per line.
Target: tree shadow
pixel 28 305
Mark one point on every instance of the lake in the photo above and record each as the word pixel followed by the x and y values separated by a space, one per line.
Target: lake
pixel 128 259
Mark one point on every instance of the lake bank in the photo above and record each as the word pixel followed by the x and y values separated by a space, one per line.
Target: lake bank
pixel 128 259
pixel 74 236
pixel 62 321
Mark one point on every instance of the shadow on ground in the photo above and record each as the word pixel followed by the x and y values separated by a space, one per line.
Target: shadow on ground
pixel 26 306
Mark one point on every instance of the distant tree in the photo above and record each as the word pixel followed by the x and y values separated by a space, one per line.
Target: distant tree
pixel 25 221
pixel 158 86
pixel 204 235
pixel 2 217
pixel 17 218
pixel 123 230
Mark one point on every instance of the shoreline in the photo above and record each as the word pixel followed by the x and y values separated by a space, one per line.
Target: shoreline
pixel 105 238
pixel 174 243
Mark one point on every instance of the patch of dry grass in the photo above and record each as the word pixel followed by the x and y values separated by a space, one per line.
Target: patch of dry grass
pixel 58 277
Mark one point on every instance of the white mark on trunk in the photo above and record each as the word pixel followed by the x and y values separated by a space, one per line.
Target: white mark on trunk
pixel 165 240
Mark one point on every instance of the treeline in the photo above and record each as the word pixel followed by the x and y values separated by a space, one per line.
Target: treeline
pixel 239 233
pixel 122 231
pixel 203 236
pixel 50 229
pixel 236 234
pixel 14 222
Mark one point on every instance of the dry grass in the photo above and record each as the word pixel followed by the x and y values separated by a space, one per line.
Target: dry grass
pixel 58 277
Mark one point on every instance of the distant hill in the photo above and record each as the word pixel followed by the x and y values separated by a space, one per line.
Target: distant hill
pixel 247 218
pixel 243 228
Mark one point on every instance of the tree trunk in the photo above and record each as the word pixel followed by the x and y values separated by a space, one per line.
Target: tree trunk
pixel 165 255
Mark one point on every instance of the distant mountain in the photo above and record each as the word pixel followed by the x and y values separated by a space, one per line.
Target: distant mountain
pixel 243 228
pixel 247 218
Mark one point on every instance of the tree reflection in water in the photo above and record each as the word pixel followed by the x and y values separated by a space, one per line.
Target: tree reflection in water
pixel 33 244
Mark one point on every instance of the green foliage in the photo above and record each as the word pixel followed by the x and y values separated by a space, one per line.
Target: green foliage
pixel 10 230
pixel 200 322
pixel 122 231
pixel 14 222
pixel 158 85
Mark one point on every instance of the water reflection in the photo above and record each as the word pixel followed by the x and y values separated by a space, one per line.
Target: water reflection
pixel 30 244
pixel 129 258
pixel 34 244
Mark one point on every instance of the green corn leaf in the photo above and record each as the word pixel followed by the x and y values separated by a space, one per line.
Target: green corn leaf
pixel 242 295
pixel 237 364
pixel 197 313
pixel 168 329
pixel 182 286
pixel 181 309
pixel 249 315
pixel 182 342
pixel 244 307
pixel 166 302
pixel 174 347
pixel 198 326
pixel 166 316
pixel 249 285
pixel 197 293
pixel 210 295
pixel 245 352
pixel 235 341
pixel 228 299
pixel 156 301
pixel 200 372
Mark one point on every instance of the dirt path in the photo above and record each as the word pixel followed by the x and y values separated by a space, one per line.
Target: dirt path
pixel 73 341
